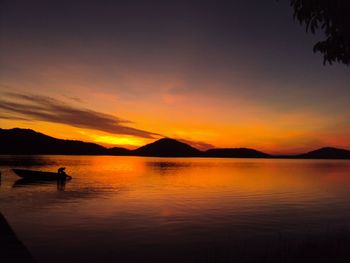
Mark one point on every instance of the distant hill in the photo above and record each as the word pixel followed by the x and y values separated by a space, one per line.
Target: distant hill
pixel 326 153
pixel 119 151
pixel 167 148
pixel 26 141
pixel 235 153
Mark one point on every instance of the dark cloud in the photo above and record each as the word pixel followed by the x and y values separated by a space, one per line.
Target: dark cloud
pixel 75 99
pixel 10 117
pixel 34 107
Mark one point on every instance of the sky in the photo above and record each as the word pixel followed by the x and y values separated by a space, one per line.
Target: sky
pixel 211 73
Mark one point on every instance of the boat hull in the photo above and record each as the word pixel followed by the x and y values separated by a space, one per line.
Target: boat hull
pixel 37 175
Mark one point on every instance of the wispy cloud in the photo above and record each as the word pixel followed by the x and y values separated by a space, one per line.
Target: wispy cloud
pixel 41 108
pixel 197 144
pixel 10 117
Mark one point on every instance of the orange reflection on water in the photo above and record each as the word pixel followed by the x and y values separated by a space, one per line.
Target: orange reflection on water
pixel 170 186
pixel 127 202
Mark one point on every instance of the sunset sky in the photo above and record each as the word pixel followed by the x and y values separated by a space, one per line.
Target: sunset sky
pixel 212 73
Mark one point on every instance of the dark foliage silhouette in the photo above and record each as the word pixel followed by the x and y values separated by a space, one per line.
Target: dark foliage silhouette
pixel 332 18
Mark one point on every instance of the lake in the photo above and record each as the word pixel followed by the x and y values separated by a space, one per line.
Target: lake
pixel 135 209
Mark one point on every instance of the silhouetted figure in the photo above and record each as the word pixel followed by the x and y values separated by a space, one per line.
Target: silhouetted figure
pixel 62 174
pixel 61 171
pixel 61 181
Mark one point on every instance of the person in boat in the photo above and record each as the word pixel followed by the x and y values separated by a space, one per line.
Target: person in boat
pixel 62 174
pixel 61 171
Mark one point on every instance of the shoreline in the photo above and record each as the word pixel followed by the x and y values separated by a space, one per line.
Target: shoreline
pixel 11 248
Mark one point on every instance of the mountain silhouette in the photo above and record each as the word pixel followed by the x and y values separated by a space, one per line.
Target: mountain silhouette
pixel 235 153
pixel 167 148
pixel 326 153
pixel 25 141
pixel 119 151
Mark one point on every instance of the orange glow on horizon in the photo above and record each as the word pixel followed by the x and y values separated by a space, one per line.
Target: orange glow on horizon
pixel 215 120
pixel 258 137
pixel 129 141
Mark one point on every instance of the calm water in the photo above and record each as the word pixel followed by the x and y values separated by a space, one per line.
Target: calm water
pixel 129 209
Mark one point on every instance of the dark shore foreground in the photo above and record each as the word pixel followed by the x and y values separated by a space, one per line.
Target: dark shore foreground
pixel 11 248
pixel 325 248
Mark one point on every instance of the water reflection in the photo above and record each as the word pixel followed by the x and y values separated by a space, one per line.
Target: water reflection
pixel 166 167
pixel 26 182
pixel 60 184
pixel 177 209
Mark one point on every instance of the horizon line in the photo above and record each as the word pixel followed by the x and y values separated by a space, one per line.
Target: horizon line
pixel 286 155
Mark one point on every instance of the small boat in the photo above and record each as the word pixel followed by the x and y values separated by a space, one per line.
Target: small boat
pixel 39 175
